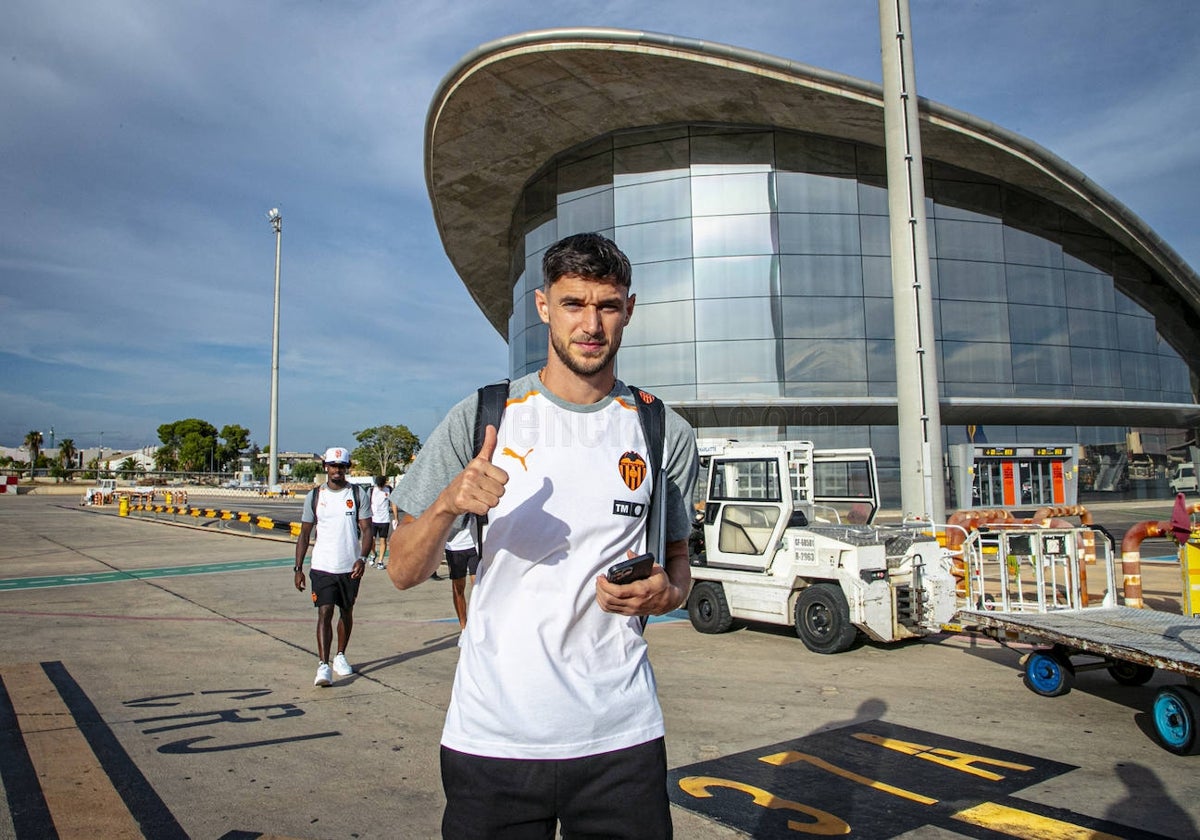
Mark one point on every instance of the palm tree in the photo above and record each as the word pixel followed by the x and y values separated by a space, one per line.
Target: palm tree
pixel 130 467
pixel 67 453
pixel 33 442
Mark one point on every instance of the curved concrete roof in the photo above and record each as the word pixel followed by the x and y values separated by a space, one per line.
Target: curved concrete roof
pixel 514 103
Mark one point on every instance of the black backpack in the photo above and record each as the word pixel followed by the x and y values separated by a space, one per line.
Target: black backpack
pixel 652 414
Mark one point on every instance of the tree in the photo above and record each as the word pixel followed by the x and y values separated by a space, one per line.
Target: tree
pixel 195 450
pixel 33 442
pixel 67 453
pixel 305 471
pixel 237 440
pixel 193 442
pixel 385 450
pixel 130 467
pixel 165 460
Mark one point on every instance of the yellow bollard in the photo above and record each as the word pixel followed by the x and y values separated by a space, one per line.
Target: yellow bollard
pixel 123 506
pixel 1189 565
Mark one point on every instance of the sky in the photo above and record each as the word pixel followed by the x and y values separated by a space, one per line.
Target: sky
pixel 142 143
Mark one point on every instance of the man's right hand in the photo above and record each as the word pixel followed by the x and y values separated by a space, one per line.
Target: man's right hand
pixel 478 488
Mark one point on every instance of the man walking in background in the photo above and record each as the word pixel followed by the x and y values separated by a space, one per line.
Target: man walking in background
pixel 381 521
pixel 339 557
pixel 463 560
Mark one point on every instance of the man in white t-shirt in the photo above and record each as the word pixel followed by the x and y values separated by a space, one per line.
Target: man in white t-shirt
pixel 554 718
pixel 381 521
pixel 463 560
pixel 339 557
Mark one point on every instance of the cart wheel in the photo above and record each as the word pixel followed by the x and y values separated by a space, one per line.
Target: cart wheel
pixel 1049 673
pixel 1176 716
pixel 1130 673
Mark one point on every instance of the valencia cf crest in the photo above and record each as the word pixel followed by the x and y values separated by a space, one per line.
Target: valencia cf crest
pixel 349 504
pixel 633 470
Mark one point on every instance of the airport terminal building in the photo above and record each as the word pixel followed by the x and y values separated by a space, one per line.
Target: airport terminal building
pixel 750 194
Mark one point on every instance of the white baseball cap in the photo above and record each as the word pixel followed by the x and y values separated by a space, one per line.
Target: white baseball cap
pixel 336 455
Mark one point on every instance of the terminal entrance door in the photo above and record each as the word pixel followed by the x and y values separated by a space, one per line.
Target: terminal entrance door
pixel 1005 483
pixel 1014 476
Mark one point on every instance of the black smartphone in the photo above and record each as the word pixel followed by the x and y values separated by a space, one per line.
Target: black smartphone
pixel 627 571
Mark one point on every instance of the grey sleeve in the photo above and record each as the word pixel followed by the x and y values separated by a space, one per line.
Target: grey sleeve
pixel 442 457
pixel 681 463
pixel 306 511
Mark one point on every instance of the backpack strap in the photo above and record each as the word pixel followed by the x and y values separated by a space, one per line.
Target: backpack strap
pixel 653 416
pixel 491 400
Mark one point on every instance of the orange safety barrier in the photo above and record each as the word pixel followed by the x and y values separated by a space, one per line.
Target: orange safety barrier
pixel 1131 558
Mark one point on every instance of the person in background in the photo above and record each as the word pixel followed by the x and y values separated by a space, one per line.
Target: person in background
pixel 381 521
pixel 339 557
pixel 463 560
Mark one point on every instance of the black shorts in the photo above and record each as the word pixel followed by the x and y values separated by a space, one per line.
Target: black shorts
pixel 462 563
pixel 381 529
pixel 329 588
pixel 620 794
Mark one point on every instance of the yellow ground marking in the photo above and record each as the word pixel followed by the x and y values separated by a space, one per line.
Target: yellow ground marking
pixel 82 801
pixel 948 758
pixel 825 825
pixel 790 757
pixel 1017 823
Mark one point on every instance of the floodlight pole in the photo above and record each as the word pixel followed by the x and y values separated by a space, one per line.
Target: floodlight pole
pixel 919 418
pixel 273 458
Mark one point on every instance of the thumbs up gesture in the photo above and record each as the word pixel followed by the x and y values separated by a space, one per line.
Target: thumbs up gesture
pixel 478 488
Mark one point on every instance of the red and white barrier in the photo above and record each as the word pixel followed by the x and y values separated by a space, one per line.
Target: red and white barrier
pixel 8 484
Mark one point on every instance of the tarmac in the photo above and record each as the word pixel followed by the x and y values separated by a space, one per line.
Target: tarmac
pixel 157 682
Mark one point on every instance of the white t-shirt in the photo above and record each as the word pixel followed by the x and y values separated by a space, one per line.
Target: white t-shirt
pixel 464 540
pixel 544 673
pixel 381 507
pixel 338 541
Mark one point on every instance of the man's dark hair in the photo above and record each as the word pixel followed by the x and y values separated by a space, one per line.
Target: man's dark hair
pixel 380 481
pixel 587 255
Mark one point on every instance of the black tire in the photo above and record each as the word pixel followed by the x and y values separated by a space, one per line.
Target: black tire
pixel 823 619
pixel 1049 673
pixel 1176 719
pixel 708 609
pixel 1130 673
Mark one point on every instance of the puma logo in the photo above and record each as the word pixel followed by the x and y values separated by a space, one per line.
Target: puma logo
pixel 521 458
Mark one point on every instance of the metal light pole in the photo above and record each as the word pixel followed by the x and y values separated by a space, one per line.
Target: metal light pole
pixel 919 418
pixel 273 474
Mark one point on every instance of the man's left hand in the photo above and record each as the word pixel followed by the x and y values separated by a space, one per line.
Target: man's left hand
pixel 655 595
pixel 360 566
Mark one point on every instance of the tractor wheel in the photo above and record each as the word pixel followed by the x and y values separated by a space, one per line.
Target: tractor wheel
pixel 823 619
pixel 708 609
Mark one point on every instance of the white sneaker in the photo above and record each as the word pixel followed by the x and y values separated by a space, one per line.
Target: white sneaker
pixel 324 675
pixel 341 667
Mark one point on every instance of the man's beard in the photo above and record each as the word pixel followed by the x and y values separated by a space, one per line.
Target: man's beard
pixel 586 366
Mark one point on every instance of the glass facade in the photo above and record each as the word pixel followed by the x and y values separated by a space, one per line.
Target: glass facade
pixel 761 268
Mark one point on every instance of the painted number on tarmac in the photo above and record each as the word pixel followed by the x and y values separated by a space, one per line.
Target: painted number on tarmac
pixel 877 780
